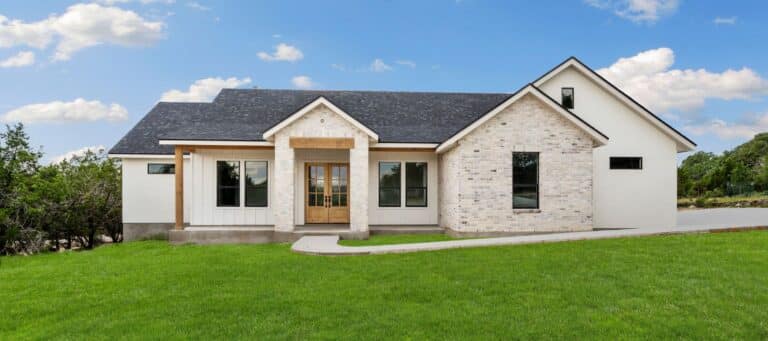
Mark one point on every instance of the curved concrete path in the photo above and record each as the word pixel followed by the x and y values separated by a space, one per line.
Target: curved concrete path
pixel 715 220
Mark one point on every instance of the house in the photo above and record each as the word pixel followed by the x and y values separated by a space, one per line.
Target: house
pixel 567 152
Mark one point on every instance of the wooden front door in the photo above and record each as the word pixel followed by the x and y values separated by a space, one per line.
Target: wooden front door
pixel 327 193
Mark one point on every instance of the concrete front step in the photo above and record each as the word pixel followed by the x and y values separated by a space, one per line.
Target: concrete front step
pixel 266 234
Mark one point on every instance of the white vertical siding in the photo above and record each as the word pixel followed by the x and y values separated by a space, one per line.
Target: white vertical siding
pixel 204 210
pixel 403 215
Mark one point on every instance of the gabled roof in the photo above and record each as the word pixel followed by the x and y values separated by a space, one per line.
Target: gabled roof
pixel 320 101
pixel 599 138
pixel 684 143
pixel 246 114
pixel 393 117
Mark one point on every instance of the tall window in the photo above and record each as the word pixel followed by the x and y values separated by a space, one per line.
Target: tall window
pixel 626 162
pixel 568 99
pixel 416 184
pixel 389 184
pixel 228 183
pixel 256 194
pixel 525 180
pixel 161 168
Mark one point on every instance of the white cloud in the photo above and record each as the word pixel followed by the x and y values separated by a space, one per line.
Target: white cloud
pixel 637 11
pixel 277 36
pixel 196 5
pixel 409 63
pixel 77 153
pixel 339 67
pixel 203 90
pixel 302 82
pixel 378 65
pixel 58 111
pixel 81 26
pixel 724 130
pixel 283 53
pixel 23 58
pixel 725 21
pixel 648 77
pixel 143 2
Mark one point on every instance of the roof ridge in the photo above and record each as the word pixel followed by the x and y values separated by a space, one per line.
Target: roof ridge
pixel 368 91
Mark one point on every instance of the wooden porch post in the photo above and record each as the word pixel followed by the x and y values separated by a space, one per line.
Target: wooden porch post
pixel 179 171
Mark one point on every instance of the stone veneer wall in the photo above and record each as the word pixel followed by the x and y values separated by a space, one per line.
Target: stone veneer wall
pixel 476 175
pixel 320 122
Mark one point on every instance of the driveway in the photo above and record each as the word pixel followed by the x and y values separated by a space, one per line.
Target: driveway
pixel 723 217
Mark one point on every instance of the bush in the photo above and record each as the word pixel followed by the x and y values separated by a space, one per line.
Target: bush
pixel 78 200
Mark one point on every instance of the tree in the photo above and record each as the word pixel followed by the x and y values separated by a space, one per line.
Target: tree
pixel 18 162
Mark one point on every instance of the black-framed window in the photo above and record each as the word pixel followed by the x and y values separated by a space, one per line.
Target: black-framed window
pixel 228 183
pixel 161 168
pixel 626 162
pixel 568 97
pixel 256 184
pixel 416 184
pixel 525 180
pixel 389 184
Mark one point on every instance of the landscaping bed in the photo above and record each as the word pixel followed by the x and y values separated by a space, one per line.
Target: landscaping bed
pixel 715 202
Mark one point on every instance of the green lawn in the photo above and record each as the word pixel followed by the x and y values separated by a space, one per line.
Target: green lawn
pixel 699 286
pixel 397 239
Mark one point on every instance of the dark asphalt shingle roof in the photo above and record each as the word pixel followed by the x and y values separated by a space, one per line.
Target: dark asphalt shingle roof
pixel 245 114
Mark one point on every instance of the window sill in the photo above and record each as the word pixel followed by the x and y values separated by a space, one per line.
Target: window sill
pixel 525 210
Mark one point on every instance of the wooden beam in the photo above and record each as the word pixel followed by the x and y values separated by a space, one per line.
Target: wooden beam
pixel 322 142
pixel 179 175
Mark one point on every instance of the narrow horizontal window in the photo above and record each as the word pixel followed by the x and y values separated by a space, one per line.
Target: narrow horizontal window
pixel 389 184
pixel 568 99
pixel 228 183
pixel 525 180
pixel 416 184
pixel 161 168
pixel 256 184
pixel 626 162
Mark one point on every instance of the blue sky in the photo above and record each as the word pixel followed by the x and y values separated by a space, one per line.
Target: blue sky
pixel 82 74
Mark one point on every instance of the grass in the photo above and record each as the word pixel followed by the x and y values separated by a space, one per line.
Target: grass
pixel 703 286
pixel 397 239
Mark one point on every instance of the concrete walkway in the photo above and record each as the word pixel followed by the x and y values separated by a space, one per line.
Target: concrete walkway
pixel 715 220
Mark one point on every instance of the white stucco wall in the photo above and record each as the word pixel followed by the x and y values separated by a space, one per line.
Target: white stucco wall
pixel 203 189
pixel 149 198
pixel 624 198
pixel 403 215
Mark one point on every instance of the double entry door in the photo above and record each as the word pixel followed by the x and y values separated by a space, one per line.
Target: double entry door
pixel 327 193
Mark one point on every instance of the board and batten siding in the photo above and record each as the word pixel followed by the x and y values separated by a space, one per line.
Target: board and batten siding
pixel 403 215
pixel 149 198
pixel 624 198
pixel 203 189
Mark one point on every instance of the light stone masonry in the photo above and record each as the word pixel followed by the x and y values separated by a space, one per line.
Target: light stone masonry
pixel 476 175
pixel 320 122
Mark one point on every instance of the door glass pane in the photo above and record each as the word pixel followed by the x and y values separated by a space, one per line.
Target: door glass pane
pixel 343 200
